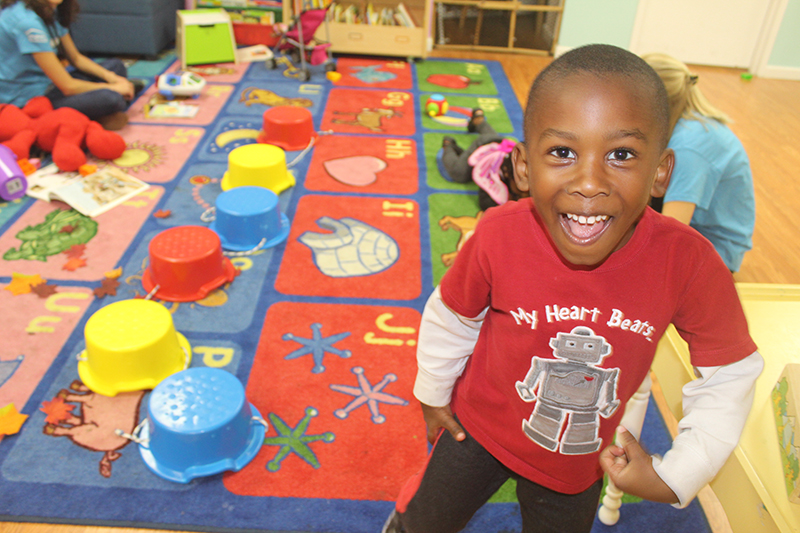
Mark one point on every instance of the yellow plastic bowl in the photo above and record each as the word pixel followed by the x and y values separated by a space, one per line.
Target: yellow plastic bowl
pixel 131 345
pixel 257 165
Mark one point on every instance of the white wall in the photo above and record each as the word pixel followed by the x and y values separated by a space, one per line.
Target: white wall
pixel 612 22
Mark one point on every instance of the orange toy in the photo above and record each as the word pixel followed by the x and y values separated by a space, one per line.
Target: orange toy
pixel 64 132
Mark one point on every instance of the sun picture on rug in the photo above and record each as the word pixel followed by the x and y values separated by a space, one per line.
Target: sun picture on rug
pixel 141 157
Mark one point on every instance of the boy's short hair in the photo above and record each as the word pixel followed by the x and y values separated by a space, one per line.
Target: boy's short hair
pixel 604 60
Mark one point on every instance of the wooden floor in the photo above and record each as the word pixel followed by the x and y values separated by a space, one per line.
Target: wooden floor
pixel 766 116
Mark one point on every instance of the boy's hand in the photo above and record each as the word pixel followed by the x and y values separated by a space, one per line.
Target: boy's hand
pixel 631 470
pixel 441 417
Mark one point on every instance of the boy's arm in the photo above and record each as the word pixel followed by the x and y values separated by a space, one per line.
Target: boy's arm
pixel 446 340
pixel 715 408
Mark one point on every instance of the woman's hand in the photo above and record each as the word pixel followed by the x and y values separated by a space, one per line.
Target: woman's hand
pixel 123 86
pixel 441 417
pixel 631 470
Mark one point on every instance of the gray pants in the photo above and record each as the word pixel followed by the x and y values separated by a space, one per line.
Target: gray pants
pixel 456 165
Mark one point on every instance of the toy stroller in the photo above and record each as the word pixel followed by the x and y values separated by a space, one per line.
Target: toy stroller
pixel 299 43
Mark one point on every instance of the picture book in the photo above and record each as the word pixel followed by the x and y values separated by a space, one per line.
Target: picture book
pixel 90 195
pixel 171 109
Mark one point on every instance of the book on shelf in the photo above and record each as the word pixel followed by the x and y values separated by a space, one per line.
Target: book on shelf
pixel 90 195
pixel 387 17
pixel 409 20
pixel 252 16
pixel 247 11
pixel 240 4
pixel 351 15
pixel 371 15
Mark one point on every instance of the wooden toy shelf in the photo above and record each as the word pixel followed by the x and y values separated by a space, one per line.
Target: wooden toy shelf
pixel 382 40
pixel 399 41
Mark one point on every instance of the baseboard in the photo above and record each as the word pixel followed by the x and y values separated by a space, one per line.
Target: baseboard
pixel 779 73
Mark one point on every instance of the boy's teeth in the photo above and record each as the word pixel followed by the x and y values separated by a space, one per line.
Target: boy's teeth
pixel 580 219
pixel 584 228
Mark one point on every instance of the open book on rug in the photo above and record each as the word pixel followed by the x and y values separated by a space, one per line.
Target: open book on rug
pixel 90 195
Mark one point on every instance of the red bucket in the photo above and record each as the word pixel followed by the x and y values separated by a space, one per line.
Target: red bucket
pixel 288 127
pixel 186 264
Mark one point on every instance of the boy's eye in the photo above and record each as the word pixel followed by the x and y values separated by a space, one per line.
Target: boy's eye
pixel 621 155
pixel 562 152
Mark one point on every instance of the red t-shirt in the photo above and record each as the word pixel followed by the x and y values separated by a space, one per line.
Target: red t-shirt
pixel 539 305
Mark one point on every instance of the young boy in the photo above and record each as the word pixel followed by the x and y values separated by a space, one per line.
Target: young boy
pixel 548 321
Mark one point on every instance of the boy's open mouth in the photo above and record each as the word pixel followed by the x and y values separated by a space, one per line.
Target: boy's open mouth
pixel 584 229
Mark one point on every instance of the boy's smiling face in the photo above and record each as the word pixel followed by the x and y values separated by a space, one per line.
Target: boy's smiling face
pixel 592 158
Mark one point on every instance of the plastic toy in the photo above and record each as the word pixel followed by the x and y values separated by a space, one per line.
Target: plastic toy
pixel 199 423
pixel 248 219
pixel 64 132
pixel 87 169
pixel 29 166
pixel 12 180
pixel 131 345
pixel 288 127
pixel 259 165
pixel 436 105
pixel 186 264
pixel 180 84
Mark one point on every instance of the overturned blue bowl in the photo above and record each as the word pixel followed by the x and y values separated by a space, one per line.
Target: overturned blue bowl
pixel 249 218
pixel 199 423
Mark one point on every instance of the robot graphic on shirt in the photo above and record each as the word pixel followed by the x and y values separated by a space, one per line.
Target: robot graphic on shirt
pixel 570 388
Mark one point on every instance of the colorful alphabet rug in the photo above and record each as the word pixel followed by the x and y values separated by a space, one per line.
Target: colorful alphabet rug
pixel 319 325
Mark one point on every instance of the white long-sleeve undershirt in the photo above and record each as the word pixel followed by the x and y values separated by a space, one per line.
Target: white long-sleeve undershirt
pixel 715 406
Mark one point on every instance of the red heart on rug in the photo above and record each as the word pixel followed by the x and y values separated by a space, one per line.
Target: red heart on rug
pixel 359 170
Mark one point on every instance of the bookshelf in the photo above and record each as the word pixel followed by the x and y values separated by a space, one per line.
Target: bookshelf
pixel 363 32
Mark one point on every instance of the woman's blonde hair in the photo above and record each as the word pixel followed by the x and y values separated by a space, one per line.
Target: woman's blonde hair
pixel 685 98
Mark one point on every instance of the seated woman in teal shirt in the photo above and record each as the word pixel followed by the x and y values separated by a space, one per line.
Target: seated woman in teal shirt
pixel 34 40
pixel 711 188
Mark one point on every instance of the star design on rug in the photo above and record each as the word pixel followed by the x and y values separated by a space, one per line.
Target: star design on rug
pixel 294 440
pixel 317 345
pixel 365 393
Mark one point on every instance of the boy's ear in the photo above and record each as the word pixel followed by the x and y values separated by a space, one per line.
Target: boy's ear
pixel 663 173
pixel 519 160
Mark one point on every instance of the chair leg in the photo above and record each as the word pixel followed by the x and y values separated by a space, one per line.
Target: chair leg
pixel 608 513
pixel 632 420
